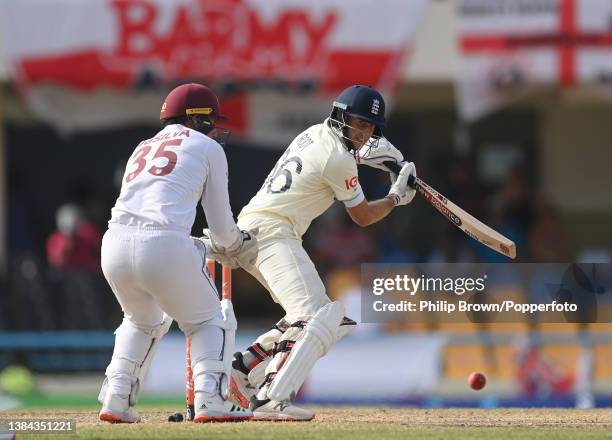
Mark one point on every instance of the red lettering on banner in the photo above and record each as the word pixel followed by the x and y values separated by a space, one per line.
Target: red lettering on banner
pixel 220 37
pixel 212 40
pixel 350 183
pixel 136 18
pixel 316 33
pixel 219 28
pixel 271 41
pixel 182 33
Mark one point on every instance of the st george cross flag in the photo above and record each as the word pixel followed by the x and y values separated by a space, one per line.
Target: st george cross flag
pixel 511 47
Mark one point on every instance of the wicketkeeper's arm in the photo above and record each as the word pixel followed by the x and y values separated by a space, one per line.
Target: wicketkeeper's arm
pixel 215 200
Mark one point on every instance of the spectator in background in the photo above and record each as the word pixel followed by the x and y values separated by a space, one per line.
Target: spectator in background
pixel 73 254
pixel 76 243
pixel 538 375
pixel 463 189
pixel 547 238
pixel 510 212
pixel 516 202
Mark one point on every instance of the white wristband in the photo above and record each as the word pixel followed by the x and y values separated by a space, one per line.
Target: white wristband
pixel 394 197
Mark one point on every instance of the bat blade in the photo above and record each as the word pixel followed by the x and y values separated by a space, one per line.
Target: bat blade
pixel 469 224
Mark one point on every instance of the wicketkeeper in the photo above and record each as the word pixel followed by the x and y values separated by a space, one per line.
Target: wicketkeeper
pixel 156 270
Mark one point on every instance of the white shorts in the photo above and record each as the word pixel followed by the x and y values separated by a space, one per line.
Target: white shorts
pixel 156 271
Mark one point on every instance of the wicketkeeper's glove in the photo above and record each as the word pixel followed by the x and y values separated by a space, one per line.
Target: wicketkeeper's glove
pixel 242 253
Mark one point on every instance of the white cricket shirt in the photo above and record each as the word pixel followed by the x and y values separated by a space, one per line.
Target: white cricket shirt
pixel 167 176
pixel 315 169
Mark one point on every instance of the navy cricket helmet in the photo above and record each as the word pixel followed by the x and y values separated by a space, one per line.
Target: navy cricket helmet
pixel 361 102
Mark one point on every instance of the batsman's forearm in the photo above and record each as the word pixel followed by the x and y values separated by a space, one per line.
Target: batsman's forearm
pixel 381 208
pixel 377 210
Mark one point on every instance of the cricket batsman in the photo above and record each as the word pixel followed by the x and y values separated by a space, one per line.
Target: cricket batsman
pixel 156 270
pixel 318 167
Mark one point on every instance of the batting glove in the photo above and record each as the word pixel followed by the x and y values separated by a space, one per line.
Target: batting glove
pixel 376 155
pixel 400 192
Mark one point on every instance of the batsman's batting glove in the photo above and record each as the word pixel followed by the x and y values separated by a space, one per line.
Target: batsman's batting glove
pixel 400 192
pixel 375 156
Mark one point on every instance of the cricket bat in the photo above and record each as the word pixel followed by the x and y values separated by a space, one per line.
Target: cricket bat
pixel 464 221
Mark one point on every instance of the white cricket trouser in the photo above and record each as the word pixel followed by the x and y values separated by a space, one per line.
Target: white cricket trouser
pixel 156 271
pixel 284 268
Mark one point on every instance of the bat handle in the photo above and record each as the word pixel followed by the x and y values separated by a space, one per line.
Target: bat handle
pixel 396 168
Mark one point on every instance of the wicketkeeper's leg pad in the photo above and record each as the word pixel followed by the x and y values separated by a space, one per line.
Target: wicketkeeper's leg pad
pixel 134 350
pixel 202 365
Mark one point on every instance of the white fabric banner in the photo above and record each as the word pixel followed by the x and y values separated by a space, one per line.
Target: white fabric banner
pixel 511 47
pixel 276 64
pixel 374 368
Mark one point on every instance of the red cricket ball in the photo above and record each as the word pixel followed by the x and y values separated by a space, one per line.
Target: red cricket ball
pixel 477 381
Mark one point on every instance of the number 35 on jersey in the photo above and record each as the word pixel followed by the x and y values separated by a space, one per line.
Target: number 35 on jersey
pixel 140 160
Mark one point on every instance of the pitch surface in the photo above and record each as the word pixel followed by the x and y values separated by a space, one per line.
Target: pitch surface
pixel 339 423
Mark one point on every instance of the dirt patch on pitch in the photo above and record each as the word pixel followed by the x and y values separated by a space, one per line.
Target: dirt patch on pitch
pixel 81 416
pixel 511 417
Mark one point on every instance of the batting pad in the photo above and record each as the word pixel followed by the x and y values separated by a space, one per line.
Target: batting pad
pixel 320 334
pixel 258 372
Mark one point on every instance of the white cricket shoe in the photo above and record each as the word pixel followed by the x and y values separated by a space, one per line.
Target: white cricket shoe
pixel 212 408
pixel 274 410
pixel 116 409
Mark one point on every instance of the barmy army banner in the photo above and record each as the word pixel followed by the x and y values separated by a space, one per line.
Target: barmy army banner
pixel 509 48
pixel 276 64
